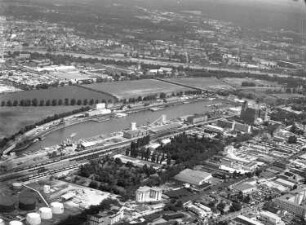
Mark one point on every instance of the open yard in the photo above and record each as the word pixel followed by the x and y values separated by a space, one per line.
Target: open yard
pixel 136 88
pixel 12 119
pixel 207 83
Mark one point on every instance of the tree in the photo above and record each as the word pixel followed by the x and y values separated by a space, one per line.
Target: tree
pixel 221 207
pixel 54 102
pixel 66 101
pixel 247 199
pixel 60 102
pixel 162 95
pixel 8 103
pixel 236 206
pixel 72 102
pixel 292 139
pixel 48 102
pixel 153 157
pixel 79 102
pixel 15 103
pixel 34 102
pixel 41 102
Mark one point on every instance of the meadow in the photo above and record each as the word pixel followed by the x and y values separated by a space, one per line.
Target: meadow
pixel 12 119
pixel 136 88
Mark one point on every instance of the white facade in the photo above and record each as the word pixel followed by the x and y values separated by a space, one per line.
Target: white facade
pixel 148 194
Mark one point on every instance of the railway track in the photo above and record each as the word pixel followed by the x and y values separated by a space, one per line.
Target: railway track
pixel 42 169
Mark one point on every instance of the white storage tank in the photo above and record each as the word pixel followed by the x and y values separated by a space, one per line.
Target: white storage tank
pixel 57 207
pixel 33 219
pixel 15 222
pixel 2 222
pixel 45 213
pixel 17 186
pixel 47 189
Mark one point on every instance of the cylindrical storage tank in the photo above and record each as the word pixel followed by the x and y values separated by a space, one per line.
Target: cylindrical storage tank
pixel 27 204
pixel 17 186
pixel 47 189
pixel 33 219
pixel 2 222
pixel 15 222
pixel 7 204
pixel 57 208
pixel 45 213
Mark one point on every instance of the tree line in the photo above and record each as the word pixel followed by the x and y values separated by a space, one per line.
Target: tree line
pixel 49 102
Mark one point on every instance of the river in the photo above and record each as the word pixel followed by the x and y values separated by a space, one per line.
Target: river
pixel 91 128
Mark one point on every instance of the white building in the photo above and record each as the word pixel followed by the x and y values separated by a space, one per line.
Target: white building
pixel 148 194
pixel 270 218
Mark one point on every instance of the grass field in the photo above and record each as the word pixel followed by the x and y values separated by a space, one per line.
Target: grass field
pixel 136 88
pixel 203 83
pixel 12 119
pixel 70 92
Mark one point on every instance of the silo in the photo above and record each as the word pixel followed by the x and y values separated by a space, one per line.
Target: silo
pixel 45 213
pixel 57 208
pixel 7 204
pixel 33 219
pixel 15 222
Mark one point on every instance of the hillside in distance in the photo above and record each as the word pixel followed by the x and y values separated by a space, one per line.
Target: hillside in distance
pixel 254 14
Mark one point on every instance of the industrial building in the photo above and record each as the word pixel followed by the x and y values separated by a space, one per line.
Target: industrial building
pixel 215 129
pixel 148 194
pixel 135 132
pixel 193 177
pixel 197 118
pixel 245 188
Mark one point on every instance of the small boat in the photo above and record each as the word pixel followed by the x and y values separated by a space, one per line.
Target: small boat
pixel 119 115
pixel 72 135
pixel 154 109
